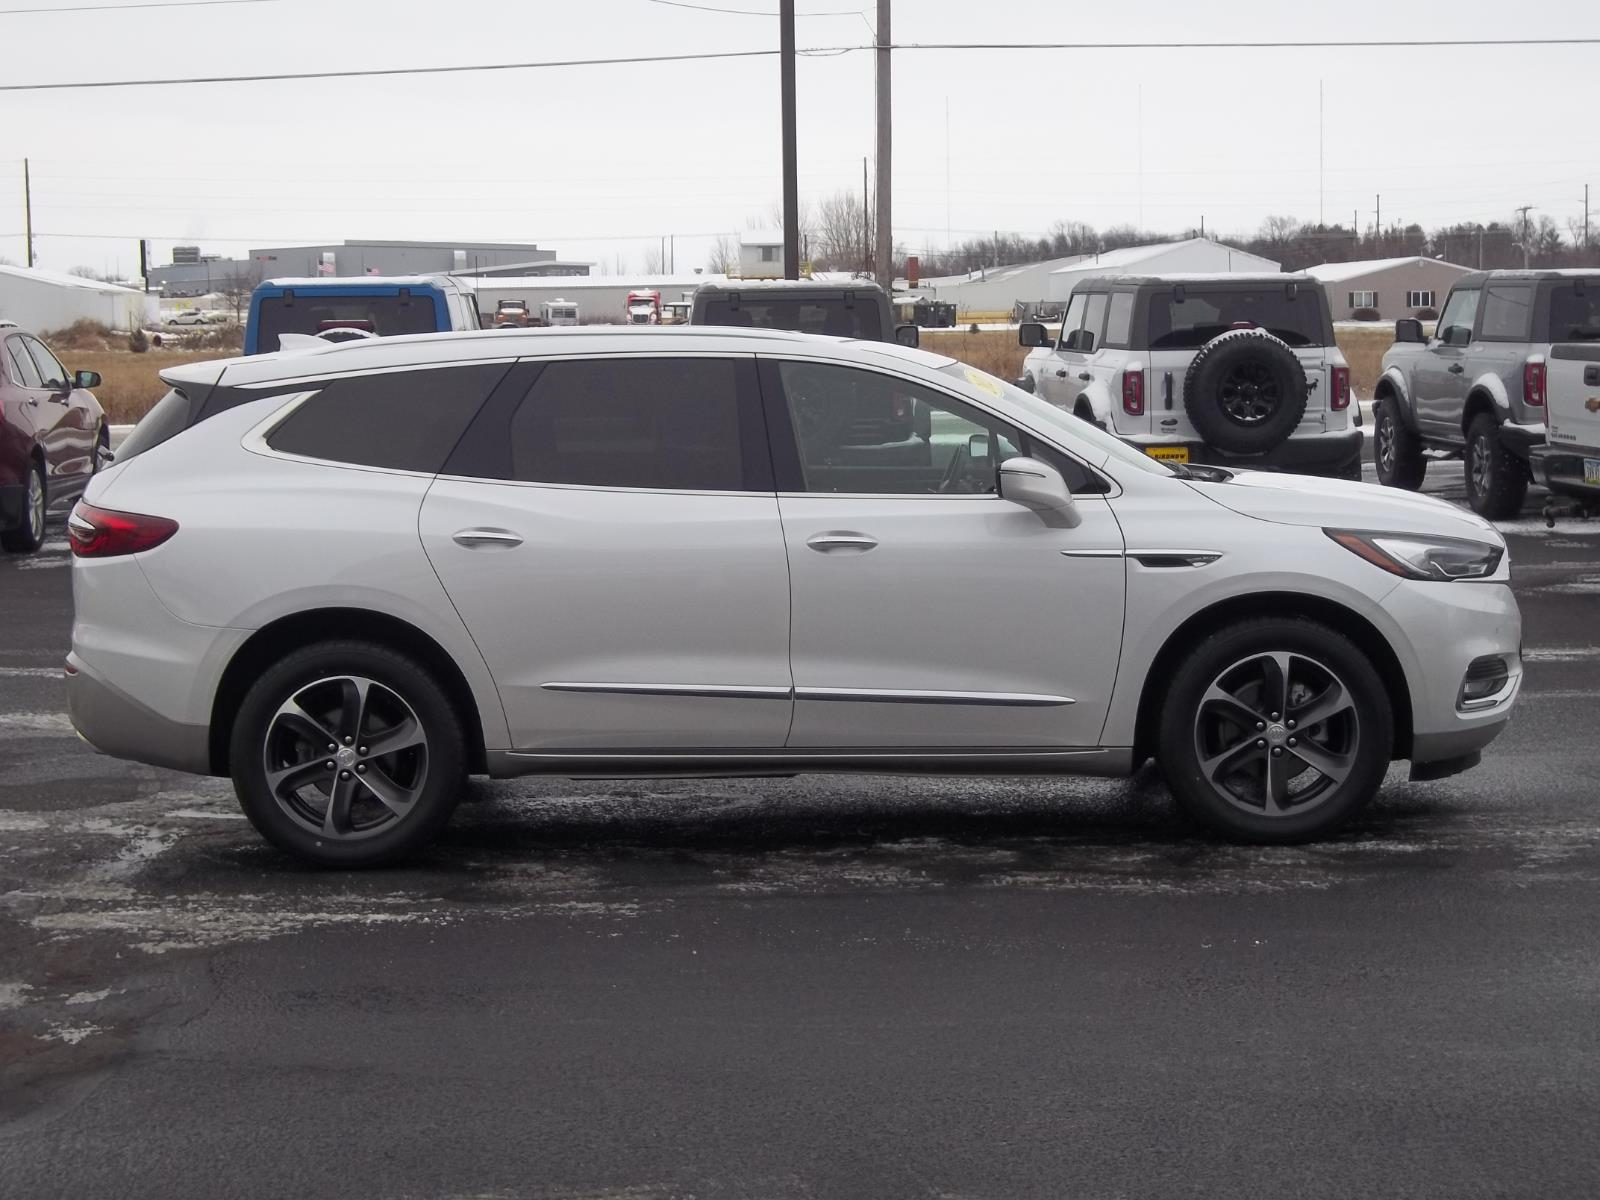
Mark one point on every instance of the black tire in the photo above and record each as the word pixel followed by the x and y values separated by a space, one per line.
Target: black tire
pixel 1325 668
pixel 29 536
pixel 1245 391
pixel 102 447
pixel 433 774
pixel 1497 480
pixel 1397 451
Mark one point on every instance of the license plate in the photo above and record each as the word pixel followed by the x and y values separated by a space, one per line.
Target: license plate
pixel 1178 454
pixel 1591 471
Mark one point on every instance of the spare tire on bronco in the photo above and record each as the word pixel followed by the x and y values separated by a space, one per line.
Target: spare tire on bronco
pixel 1245 391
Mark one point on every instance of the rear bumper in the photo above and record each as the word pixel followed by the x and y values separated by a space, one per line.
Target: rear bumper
pixel 1522 440
pixel 1560 468
pixel 13 505
pixel 1322 452
pixel 115 723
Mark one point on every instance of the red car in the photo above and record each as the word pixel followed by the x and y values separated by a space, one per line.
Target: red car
pixel 53 436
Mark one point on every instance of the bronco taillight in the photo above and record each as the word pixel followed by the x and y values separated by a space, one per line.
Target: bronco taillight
pixel 1533 384
pixel 1133 393
pixel 103 533
pixel 1340 397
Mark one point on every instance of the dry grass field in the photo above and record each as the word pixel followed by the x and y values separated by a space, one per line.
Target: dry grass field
pixel 996 351
pixel 130 383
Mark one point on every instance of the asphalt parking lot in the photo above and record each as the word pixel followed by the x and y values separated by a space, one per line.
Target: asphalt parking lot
pixel 817 987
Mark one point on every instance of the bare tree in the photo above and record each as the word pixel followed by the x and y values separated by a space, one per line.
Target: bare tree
pixel 654 263
pixel 1276 231
pixel 236 288
pixel 724 254
pixel 844 233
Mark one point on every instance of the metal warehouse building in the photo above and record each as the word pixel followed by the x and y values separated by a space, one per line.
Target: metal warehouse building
pixel 46 300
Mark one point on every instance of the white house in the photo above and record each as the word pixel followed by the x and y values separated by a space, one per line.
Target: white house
pixel 46 300
pixel 1001 289
pixel 761 255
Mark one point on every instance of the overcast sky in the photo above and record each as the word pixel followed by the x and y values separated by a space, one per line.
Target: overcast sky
pixel 598 163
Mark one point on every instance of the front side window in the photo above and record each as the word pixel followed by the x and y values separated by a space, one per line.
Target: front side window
pixel 1073 320
pixel 399 420
pixel 22 365
pixel 1460 311
pixel 1094 316
pixel 663 424
pixel 1507 312
pixel 50 368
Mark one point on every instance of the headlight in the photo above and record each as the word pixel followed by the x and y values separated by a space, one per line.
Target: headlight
pixel 1413 556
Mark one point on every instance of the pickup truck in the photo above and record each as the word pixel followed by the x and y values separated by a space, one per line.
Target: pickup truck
pixel 1476 387
pixel 1569 463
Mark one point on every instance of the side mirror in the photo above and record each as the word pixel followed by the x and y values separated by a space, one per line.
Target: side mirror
pixel 1032 333
pixel 908 335
pixel 1039 486
pixel 86 379
pixel 1457 335
pixel 1408 330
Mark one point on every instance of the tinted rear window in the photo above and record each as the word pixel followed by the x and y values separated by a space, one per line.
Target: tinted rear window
pixel 170 416
pixel 673 424
pixel 1202 315
pixel 816 315
pixel 1575 313
pixel 403 420
pixel 312 312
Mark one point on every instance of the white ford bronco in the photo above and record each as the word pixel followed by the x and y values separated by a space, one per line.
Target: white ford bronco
pixel 1229 370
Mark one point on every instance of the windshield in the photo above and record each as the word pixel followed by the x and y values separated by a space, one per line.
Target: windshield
pixel 1190 323
pixel 1071 428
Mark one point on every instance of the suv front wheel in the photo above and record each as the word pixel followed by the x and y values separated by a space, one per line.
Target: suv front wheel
pixel 1497 480
pixel 1275 730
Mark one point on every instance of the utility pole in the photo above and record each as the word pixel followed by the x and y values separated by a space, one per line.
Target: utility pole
pixel 1523 213
pixel 883 266
pixel 27 209
pixel 791 159
pixel 866 219
pixel 1377 217
pixel 1586 218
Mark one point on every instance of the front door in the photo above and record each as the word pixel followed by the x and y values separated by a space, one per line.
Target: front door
pixel 928 612
pixel 611 540
pixel 1440 379
pixel 1059 383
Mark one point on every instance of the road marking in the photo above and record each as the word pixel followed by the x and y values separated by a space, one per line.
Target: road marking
pixel 57 723
pixel 31 673
pixel 196 814
pixel 1560 653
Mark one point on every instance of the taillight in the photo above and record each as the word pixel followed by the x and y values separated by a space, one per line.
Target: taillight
pixel 103 533
pixel 1533 384
pixel 1133 393
pixel 1340 397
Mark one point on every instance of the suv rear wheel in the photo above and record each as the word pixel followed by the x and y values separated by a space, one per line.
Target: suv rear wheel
pixel 347 754
pixel 1275 730
pixel 1396 448
pixel 1497 480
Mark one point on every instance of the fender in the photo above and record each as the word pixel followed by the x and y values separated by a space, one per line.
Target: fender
pixel 1494 387
pixel 1098 397
pixel 1396 377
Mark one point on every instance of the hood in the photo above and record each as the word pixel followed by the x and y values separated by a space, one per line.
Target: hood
pixel 1343 504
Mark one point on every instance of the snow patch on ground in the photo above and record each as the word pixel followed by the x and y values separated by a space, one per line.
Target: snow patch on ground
pixel 30 673
pixel 90 997
pixel 14 995
pixel 1535 527
pixel 70 1034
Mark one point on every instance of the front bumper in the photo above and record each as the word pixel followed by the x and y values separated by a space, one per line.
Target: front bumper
pixel 1560 468
pixel 1322 453
pixel 1449 626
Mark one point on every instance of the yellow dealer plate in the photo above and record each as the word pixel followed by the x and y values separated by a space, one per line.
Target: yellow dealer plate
pixel 1169 453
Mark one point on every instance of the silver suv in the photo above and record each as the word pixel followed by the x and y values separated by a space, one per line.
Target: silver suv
pixel 1231 370
pixel 1476 388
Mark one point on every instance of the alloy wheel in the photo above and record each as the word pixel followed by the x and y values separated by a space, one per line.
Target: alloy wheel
pixel 1479 468
pixel 1249 393
pixel 1384 436
pixel 1276 734
pixel 346 757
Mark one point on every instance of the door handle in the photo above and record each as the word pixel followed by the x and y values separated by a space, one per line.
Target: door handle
pixel 487 537
pixel 1085 376
pixel 1455 368
pixel 823 543
pixel 1062 374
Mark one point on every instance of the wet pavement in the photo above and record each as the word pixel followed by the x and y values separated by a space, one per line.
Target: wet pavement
pixel 818 987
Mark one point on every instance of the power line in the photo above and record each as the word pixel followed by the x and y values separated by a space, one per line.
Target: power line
pixel 15 12
pixel 753 12
pixel 636 59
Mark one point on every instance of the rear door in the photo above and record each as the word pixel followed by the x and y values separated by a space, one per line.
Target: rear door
pixel 609 533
